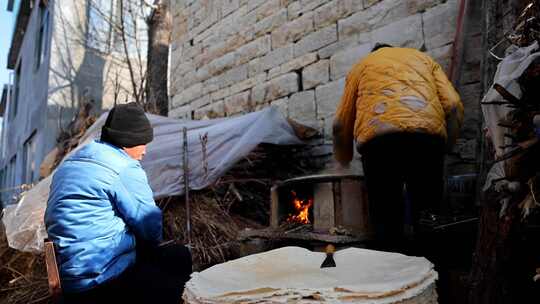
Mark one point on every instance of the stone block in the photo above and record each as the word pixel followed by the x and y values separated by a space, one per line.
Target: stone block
pixel 301 107
pixel 219 49
pixel 328 97
pixel 440 25
pixel 301 7
pixel 316 40
pixel 189 79
pixel 207 18
pixel 470 94
pixel 333 11
pixel 368 3
pixel 315 74
pixel 375 16
pixel 235 75
pixel 254 49
pixel 183 112
pixel 229 6
pixel 342 62
pixel 239 103
pixel 233 23
pixel 188 95
pixel 328 127
pixel 210 111
pixel 221 94
pixel 221 64
pixel 292 31
pixel 179 28
pixel 292 65
pixel 268 8
pixel 466 148
pixel 337 46
pixel 442 56
pixel 253 4
pixel 474 49
pixel 191 51
pixel 268 24
pixel 202 74
pixel 201 102
pixel 283 105
pixel 205 38
pixel 275 88
pixel 354 24
pixel 470 72
pixel 404 33
pixel 209 87
pixel 277 57
pixel 218 109
pixel 248 83
pixel 255 67
pixel 181 67
pixel 420 6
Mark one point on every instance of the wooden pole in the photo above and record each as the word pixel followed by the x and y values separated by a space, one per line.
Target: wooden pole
pixel 186 186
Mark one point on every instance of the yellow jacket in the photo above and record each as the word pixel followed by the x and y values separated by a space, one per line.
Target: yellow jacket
pixel 394 90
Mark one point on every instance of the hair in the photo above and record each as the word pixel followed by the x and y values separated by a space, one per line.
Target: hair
pixel 380 45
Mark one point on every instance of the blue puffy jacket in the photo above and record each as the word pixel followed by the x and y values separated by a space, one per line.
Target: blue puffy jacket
pixel 99 202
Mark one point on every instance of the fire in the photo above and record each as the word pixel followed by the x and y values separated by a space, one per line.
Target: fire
pixel 302 210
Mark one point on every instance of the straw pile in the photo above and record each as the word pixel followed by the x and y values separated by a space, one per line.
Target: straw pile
pixel 23 278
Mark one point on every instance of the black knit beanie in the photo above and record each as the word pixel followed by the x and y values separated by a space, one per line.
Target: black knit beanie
pixel 127 126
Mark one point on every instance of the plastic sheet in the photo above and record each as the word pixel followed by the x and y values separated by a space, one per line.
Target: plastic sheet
pixel 227 141
pixel 508 72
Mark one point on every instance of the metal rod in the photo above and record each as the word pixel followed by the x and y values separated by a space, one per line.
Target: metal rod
pixel 186 186
pixel 474 219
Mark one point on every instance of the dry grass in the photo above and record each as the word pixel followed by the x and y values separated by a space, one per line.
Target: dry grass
pixel 23 277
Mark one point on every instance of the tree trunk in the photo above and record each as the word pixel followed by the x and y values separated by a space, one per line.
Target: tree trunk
pixel 494 261
pixel 159 38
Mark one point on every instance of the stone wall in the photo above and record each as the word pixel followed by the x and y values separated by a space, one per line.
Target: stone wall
pixel 235 56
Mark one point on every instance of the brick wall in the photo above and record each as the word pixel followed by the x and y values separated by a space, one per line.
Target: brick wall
pixel 235 56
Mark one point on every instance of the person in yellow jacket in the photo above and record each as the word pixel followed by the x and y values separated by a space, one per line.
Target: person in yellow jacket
pixel 403 112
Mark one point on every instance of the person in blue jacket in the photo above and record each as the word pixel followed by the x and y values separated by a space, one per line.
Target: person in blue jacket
pixel 105 225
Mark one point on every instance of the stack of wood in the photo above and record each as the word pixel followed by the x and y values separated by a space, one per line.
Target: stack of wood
pixel 510 206
pixel 238 200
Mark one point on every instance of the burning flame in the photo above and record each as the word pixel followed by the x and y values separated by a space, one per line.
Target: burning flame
pixel 302 209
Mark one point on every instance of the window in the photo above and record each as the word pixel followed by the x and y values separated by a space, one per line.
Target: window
pixel 129 15
pixel 16 90
pixel 2 179
pixel 28 162
pixel 42 34
pixel 10 181
pixel 12 170
pixel 2 186
pixel 99 25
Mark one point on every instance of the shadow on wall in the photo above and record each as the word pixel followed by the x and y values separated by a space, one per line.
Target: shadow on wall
pixel 77 72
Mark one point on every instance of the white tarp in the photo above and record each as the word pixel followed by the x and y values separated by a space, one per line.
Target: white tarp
pixel 508 72
pixel 228 141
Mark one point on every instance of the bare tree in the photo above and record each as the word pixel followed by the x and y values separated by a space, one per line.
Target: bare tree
pixel 159 39
pixel 123 37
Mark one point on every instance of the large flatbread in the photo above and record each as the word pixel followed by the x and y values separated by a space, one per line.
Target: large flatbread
pixel 293 273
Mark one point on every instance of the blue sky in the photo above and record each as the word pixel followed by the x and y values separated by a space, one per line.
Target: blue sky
pixel 6 30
